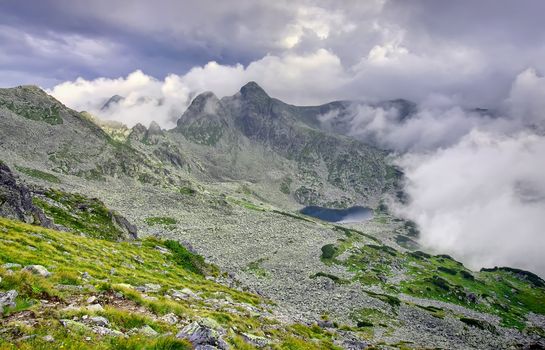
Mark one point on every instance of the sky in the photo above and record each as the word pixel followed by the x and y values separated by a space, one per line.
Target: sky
pixel 476 180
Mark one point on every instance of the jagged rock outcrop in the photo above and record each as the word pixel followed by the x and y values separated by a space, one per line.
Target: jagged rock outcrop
pixel 16 200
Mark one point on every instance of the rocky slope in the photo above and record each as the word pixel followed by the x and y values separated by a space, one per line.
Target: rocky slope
pixel 227 183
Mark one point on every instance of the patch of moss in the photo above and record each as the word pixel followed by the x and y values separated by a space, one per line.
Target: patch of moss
pixel 160 220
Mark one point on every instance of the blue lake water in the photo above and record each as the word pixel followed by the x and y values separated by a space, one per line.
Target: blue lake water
pixel 352 214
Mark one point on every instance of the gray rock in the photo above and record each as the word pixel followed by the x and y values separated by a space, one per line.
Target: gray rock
pixel 95 308
pixel 149 288
pixel 148 331
pixel 100 321
pixel 170 318
pixel 255 340
pixel 204 334
pixel 8 298
pixel 184 294
pixel 163 250
pixel 37 270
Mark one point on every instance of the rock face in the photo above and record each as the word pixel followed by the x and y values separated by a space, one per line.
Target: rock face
pixel 16 200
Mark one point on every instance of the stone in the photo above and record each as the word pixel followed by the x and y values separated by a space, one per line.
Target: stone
pixel 326 324
pixel 149 288
pixel 204 334
pixel 107 331
pixel 48 338
pixel 163 250
pixel 37 270
pixel 8 298
pixel 170 318
pixel 184 294
pixel 355 345
pixel 255 340
pixel 91 299
pixel 100 321
pixel 85 275
pixel 95 308
pixel 148 331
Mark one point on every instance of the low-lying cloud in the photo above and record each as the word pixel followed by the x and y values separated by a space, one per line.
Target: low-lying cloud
pixel 482 199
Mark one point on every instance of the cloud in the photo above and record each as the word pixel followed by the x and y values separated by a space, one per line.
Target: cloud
pixel 481 200
pixel 388 48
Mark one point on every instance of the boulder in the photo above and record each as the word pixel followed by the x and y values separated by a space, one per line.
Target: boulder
pixel 149 288
pixel 257 341
pixel 37 270
pixel 99 321
pixel 204 334
pixel 147 331
pixel 7 299
pixel 169 318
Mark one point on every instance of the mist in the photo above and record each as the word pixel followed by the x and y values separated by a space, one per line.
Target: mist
pixel 475 179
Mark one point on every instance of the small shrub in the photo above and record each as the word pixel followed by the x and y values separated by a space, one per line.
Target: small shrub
pixel 329 251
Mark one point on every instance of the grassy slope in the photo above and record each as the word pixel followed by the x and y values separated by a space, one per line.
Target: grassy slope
pixel 42 301
pixel 502 293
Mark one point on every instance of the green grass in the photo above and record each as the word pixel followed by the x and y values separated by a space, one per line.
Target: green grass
pixel 38 174
pixel 188 191
pixel 160 221
pixel 67 256
pixel 80 214
pixel 188 260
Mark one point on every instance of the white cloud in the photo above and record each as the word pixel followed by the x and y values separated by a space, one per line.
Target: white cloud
pixel 481 200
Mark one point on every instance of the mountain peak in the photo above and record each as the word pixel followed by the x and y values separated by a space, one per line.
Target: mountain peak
pixel 252 89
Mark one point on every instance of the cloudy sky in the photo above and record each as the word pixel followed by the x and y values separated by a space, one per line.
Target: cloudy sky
pixel 476 180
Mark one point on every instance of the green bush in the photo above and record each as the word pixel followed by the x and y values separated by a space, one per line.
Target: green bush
pixel 328 251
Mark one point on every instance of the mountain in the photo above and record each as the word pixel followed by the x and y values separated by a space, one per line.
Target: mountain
pixel 223 257
pixel 322 167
